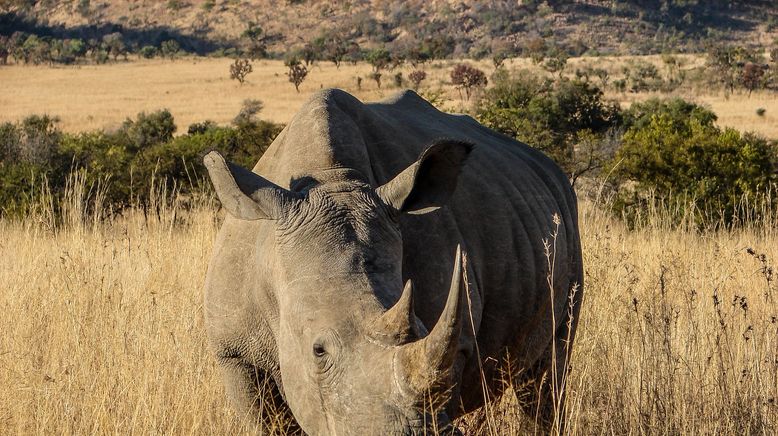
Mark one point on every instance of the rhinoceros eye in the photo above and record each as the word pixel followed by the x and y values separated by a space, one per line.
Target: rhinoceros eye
pixel 318 350
pixel 325 350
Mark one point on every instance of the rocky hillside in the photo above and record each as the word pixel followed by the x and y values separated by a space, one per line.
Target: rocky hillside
pixel 460 28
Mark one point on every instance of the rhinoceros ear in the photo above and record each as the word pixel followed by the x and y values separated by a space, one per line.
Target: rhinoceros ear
pixel 428 183
pixel 244 194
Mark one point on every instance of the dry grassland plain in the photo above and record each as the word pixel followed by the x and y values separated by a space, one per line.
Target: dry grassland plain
pixel 103 330
pixel 194 89
pixel 102 323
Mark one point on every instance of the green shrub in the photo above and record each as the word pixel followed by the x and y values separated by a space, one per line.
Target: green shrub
pixel 249 111
pixel 178 162
pixel 10 140
pixel 175 5
pixel 643 77
pixel 548 115
pixel 21 184
pixel 250 142
pixel 202 127
pixel 148 51
pixel 679 111
pixel 126 162
pixel 33 141
pixel 29 155
pixel 104 157
pixel 149 129
pixel 170 48
pixel 673 149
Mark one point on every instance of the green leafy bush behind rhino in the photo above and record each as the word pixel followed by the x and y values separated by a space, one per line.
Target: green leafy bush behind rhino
pixel 673 151
pixel 658 151
pixel 126 162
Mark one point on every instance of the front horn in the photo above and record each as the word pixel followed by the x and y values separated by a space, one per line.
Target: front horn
pixel 426 361
pixel 398 324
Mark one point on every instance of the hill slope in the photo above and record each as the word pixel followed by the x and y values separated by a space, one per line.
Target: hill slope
pixel 462 28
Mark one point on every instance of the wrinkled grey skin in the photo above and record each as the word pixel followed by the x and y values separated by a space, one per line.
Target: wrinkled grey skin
pixel 303 293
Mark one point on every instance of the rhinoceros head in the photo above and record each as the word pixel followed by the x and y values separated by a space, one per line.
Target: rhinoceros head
pixel 353 356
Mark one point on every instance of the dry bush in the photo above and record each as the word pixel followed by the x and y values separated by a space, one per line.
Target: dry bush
pixel 240 69
pixel 103 330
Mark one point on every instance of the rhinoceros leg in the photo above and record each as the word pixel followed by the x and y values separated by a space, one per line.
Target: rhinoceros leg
pixel 257 398
pixel 534 388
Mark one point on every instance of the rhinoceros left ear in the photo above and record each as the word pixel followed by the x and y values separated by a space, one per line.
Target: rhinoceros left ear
pixel 244 194
pixel 429 182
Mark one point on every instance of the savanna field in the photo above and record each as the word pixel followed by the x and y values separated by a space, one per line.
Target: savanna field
pixel 103 329
pixel 196 89
pixel 102 323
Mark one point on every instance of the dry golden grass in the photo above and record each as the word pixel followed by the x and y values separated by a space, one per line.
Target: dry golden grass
pixel 103 329
pixel 196 89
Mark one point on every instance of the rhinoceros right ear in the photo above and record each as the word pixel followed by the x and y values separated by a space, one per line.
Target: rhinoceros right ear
pixel 244 194
pixel 429 182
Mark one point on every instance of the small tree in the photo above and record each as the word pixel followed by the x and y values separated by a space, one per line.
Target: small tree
pixel 16 47
pixel 376 76
pixel 240 69
pixel 726 63
pixel 603 76
pixel 76 47
pixel 148 51
pixel 556 63
pixel 498 59
pixel 468 78
pixel 536 50
pixel 416 77
pixel 414 54
pixel 353 53
pixel 335 49
pixel 248 112
pixel 149 129
pixel 379 58
pixel 5 49
pixel 752 77
pixel 114 45
pixel 256 41
pixel 170 48
pixel 399 80
pixel 311 52
pixel 36 50
pixel 297 72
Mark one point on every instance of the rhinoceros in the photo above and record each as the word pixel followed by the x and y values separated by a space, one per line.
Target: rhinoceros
pixel 386 267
